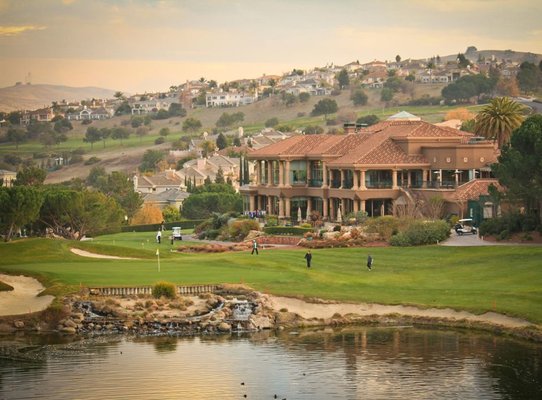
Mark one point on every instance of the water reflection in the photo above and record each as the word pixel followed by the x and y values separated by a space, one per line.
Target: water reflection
pixel 351 363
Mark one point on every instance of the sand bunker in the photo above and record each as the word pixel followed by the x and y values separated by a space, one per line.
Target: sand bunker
pixel 23 298
pixel 84 253
pixel 326 310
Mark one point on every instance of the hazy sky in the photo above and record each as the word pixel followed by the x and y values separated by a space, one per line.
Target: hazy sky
pixel 148 45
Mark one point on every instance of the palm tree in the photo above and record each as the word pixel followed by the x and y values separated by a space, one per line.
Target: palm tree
pixel 499 119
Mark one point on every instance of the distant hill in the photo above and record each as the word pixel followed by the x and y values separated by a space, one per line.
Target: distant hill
pixel 31 97
pixel 499 55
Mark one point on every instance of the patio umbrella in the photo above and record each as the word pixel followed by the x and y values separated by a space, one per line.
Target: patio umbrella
pixel 299 218
pixel 339 215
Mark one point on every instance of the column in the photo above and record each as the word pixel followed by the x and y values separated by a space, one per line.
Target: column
pixel 251 203
pixel 355 185
pixel 356 206
pixel 325 207
pixel 424 178
pixel 456 180
pixel 281 207
pixel 269 172
pixel 362 180
pixel 287 211
pixel 287 174
pixel 394 179
pixel 324 175
pixel 363 206
pixel 409 178
pixel 342 178
pixel 258 172
pixel 309 207
pixel 269 205
pixel 281 173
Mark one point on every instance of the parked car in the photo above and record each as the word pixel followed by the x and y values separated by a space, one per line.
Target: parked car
pixel 465 226
pixel 176 235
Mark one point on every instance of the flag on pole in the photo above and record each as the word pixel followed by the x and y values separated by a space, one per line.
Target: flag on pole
pixel 157 252
pixel 158 258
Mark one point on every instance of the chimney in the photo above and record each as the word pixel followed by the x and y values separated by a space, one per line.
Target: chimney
pixel 349 128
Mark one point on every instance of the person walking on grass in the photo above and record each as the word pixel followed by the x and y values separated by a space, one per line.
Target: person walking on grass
pixel 254 247
pixel 308 257
pixel 369 262
pixel 159 236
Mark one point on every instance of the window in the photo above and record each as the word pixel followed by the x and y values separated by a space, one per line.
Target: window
pixel 298 172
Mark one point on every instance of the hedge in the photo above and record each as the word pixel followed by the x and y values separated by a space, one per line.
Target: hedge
pixel 186 224
pixel 286 230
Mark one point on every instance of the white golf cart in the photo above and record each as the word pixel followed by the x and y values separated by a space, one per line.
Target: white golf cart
pixel 176 234
pixel 465 226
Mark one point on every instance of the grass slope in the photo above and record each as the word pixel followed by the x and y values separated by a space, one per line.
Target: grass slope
pixel 505 279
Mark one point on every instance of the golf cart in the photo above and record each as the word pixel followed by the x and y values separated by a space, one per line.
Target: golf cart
pixel 465 226
pixel 176 234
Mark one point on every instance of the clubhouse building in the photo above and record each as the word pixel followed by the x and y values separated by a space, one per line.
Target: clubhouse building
pixel 390 168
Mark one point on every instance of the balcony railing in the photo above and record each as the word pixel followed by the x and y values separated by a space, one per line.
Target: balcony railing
pixel 315 182
pixel 379 185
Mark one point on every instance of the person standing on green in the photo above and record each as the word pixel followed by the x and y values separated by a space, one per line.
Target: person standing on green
pixel 369 262
pixel 308 257
pixel 254 247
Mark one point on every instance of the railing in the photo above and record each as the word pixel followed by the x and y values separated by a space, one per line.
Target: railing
pixel 379 185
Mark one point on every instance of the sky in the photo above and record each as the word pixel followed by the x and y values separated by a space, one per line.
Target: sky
pixel 148 45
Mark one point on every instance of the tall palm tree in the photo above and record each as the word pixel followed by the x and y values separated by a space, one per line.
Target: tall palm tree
pixel 499 119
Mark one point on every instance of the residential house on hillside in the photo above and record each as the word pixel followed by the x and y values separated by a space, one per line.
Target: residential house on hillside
pixel 167 198
pixel 41 115
pixel 266 137
pixel 151 106
pixel 229 99
pixel 389 168
pixel 86 114
pixel 196 171
pixel 157 183
pixel 7 177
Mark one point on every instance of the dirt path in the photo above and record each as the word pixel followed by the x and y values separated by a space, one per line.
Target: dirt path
pixel 326 310
pixel 85 253
pixel 23 298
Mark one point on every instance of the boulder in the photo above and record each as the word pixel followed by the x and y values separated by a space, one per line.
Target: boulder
pixel 224 327
pixel 69 323
pixel 18 324
pixel 261 322
pixel 69 330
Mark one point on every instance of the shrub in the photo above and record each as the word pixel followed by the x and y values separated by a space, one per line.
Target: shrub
pixel 271 220
pixel 164 289
pixel 385 226
pixel 286 230
pixel 160 140
pixel 92 160
pixel 337 228
pixel 239 229
pixel 422 232
pixel 76 158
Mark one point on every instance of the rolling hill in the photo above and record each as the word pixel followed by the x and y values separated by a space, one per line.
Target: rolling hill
pixel 31 97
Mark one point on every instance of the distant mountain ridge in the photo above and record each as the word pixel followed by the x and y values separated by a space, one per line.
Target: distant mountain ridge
pixel 31 97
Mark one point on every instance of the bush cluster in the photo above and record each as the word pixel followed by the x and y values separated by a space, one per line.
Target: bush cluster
pixel 508 224
pixel 385 226
pixel 422 232
pixel 164 289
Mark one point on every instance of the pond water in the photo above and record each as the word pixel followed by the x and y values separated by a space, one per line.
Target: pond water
pixel 349 363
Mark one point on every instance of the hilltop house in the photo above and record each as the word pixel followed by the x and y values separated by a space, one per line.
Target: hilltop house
pixel 229 99
pixel 382 169
pixel 86 114
pixel 41 115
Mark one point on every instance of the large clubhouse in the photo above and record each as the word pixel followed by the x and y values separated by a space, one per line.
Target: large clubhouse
pixel 384 169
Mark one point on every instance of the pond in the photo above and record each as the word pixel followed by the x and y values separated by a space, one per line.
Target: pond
pixel 347 363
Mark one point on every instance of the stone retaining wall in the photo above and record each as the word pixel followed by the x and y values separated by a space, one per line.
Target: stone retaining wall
pixel 127 291
pixel 285 240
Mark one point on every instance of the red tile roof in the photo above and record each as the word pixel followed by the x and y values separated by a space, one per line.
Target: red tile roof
pixel 475 188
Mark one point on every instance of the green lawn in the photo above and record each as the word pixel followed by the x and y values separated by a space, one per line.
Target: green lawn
pixel 506 279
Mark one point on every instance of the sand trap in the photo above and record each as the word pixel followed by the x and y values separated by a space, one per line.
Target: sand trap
pixel 84 253
pixel 326 310
pixel 23 298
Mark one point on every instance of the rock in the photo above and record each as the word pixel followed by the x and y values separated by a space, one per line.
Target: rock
pixel 69 323
pixel 77 316
pixel 261 322
pixel 68 330
pixel 18 324
pixel 224 327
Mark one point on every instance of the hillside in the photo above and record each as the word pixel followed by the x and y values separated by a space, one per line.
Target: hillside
pixel 31 97
pixel 499 55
